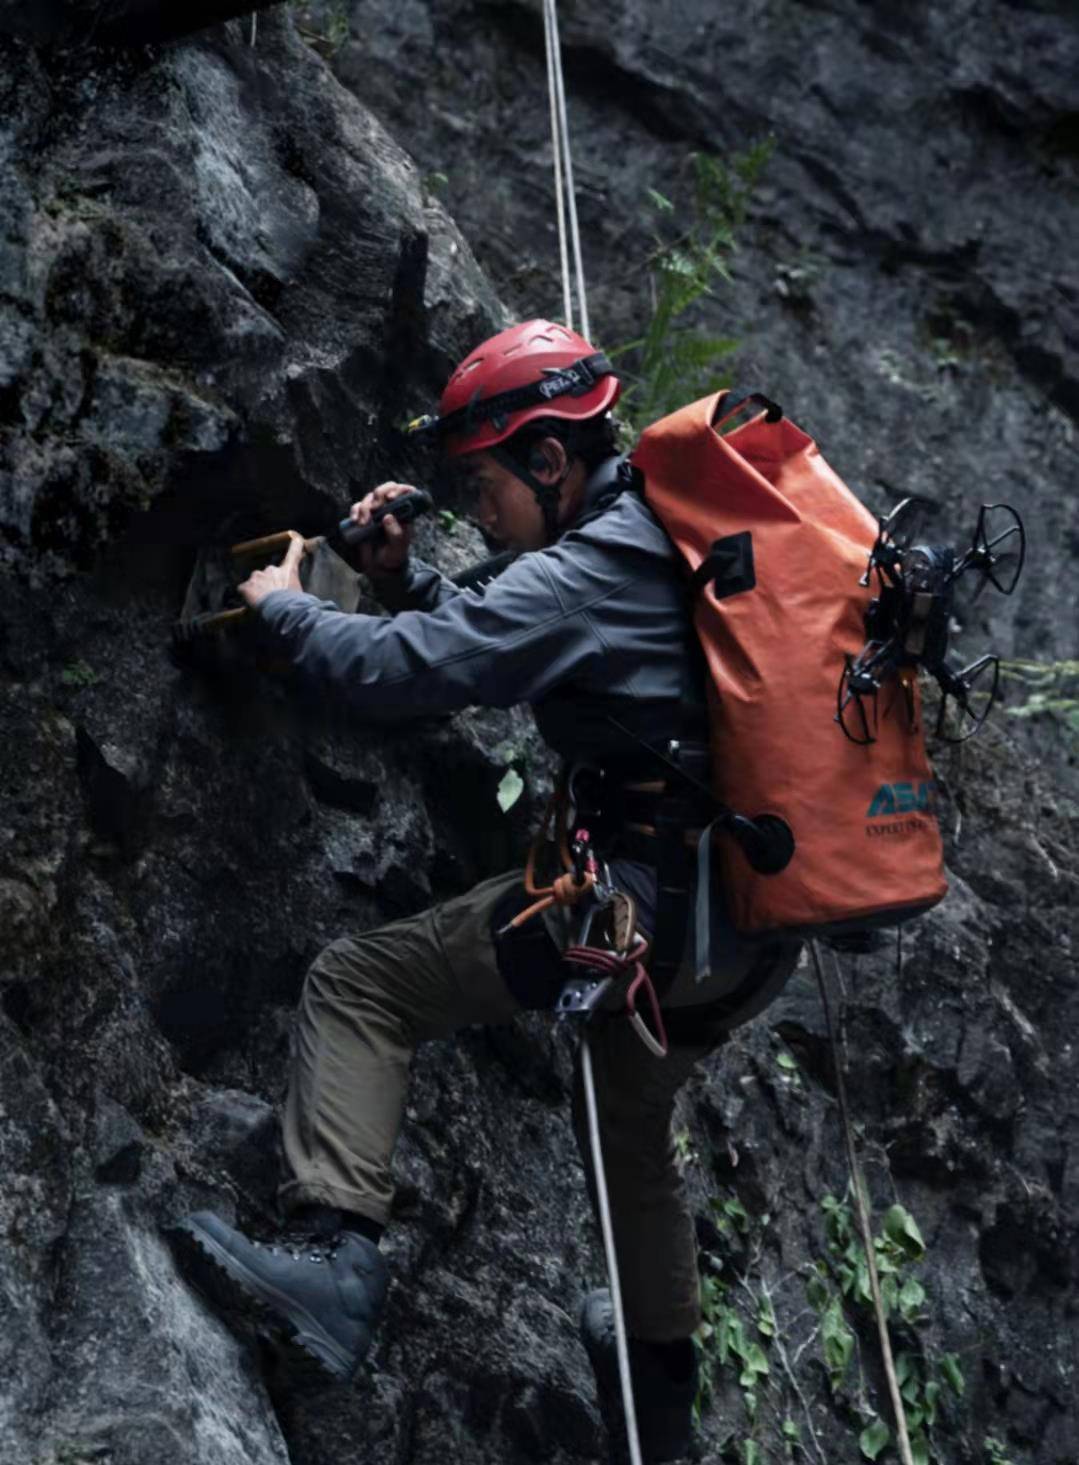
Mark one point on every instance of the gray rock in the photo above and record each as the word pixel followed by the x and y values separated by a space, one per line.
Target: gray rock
pixel 222 280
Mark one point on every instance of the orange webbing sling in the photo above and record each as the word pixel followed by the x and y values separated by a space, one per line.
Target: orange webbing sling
pixel 777 544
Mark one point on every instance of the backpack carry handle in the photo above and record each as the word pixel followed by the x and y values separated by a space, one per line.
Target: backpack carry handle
pixel 734 400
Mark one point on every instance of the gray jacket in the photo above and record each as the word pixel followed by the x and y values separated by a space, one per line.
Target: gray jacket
pixel 596 623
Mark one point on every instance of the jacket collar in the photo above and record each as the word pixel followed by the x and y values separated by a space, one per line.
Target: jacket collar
pixel 603 485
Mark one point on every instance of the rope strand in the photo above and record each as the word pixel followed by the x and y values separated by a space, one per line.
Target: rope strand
pixel 861 1206
pixel 560 129
pixel 556 154
pixel 604 1207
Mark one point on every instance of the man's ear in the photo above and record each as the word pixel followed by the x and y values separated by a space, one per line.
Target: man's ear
pixel 549 458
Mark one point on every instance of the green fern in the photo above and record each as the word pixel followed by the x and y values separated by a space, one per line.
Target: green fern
pixel 1052 687
pixel 671 363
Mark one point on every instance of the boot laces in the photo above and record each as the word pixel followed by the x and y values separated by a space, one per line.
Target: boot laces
pixel 305 1245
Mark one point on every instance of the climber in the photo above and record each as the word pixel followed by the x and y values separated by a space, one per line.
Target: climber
pixel 590 617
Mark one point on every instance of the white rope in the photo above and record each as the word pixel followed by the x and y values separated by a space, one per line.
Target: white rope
pixel 560 130
pixel 556 154
pixel 621 1340
pixel 861 1210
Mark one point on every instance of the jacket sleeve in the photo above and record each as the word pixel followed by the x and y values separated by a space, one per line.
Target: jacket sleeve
pixel 527 632
pixel 416 586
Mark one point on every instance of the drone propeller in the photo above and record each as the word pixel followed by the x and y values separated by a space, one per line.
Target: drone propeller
pixel 894 532
pixel 909 620
pixel 863 679
pixel 998 567
pixel 966 698
pixel 854 685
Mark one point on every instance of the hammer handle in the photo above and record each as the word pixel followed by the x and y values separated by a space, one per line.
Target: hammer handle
pixel 270 545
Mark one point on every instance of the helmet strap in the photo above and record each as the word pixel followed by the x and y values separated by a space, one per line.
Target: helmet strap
pixel 547 494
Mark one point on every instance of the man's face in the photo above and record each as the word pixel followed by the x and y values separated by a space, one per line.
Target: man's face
pixel 499 503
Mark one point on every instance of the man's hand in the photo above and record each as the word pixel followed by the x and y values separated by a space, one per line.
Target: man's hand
pixel 285 576
pixel 387 555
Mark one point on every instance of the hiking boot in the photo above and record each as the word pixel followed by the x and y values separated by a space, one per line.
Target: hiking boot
pixel 664 1381
pixel 316 1287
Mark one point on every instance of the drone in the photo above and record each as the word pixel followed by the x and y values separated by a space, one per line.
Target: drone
pixel 910 617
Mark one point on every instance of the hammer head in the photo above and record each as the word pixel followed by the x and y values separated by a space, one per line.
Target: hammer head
pixel 214 626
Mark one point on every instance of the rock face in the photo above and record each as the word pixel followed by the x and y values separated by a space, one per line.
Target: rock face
pixel 222 282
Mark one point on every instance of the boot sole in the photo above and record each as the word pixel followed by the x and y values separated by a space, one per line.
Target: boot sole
pixel 313 1357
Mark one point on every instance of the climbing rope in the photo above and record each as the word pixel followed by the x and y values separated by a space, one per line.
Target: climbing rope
pixel 606 1226
pixel 861 1207
pixel 563 172
pixel 602 967
pixel 556 154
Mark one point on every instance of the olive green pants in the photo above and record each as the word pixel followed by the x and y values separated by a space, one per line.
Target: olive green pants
pixel 369 1000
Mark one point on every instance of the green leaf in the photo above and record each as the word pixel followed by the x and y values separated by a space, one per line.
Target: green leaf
pixel 919 1449
pixel 751 1453
pixel 911 1299
pixel 932 1395
pixel 817 1292
pixel 873 1439
pixel 755 1358
pixel 901 1228
pixel 837 1338
pixel 660 201
pixel 889 1293
pixel 736 1337
pixel 953 1374
pixel 792 1432
pixel 787 1061
pixel 510 789
pixel 79 674
pixel 737 1212
pixel 837 1224
pixel 997 1451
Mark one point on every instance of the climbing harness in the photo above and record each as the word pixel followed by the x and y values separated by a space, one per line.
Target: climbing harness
pixel 613 964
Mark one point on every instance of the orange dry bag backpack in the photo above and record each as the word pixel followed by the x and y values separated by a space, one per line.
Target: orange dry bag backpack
pixel 776 546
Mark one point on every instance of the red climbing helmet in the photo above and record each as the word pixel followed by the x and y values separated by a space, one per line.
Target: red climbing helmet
pixel 537 369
